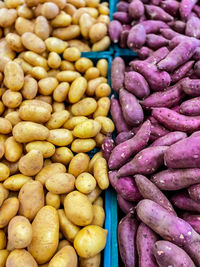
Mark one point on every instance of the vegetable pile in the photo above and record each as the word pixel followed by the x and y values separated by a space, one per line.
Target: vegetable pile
pixel 154 162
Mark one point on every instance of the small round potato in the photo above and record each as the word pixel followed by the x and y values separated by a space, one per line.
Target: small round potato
pixel 83 145
pixel 13 76
pixel 97 32
pixel 92 73
pixel 107 126
pixel 60 137
pixel 30 87
pixel 61 91
pixel 12 99
pixel 31 163
pixel 103 90
pixel 73 121
pixel 67 33
pixel 83 64
pixel 47 149
pixel 85 183
pixel 87 129
pixel 62 155
pixel 60 183
pixel 99 202
pixel 47 85
pixel 50 10
pixel 79 164
pixel 33 43
pixel 55 45
pixel 61 20
pixel 84 107
pixel 42 29
pixel 15 182
pixel 57 119
pixel 5 126
pixel 71 54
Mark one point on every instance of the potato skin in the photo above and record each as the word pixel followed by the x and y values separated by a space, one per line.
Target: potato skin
pixel 8 210
pixel 3 257
pixel 60 183
pixel 20 257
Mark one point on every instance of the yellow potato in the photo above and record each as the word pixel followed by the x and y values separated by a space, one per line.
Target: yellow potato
pixel 30 88
pixel 67 33
pixel 99 215
pixel 60 3
pixel 94 194
pixel 12 99
pixel 77 3
pixel 92 161
pixel 3 257
pixel 94 238
pixel 53 72
pixel 93 12
pixel 82 46
pixel 66 257
pixel 27 68
pixel 13 3
pixel 62 244
pixel 82 213
pixel 4 172
pixel 25 12
pixel 61 20
pixel 32 42
pixel 32 3
pixel 87 129
pixel 13 117
pixel 103 9
pixel 13 166
pixel 101 45
pixel 60 183
pixel 83 145
pixel 42 29
pixel 5 14
pixel 44 98
pixel 15 182
pixel 3 194
pixel 54 44
pixel 5 49
pixel 53 200
pixel 103 106
pixel 69 9
pixel 107 126
pixel 84 107
pixel 77 15
pixel 49 170
pixel 101 173
pixel 2 107
pixel 47 85
pixel 20 257
pixel 85 183
pixel 83 64
pixel 45 234
pixel 68 229
pixel 99 202
pixel 5 126
pixel 91 73
pixel 97 32
pixel 57 119
pixel 8 210
pixel 49 10
pixel 13 76
pixel 62 155
pixel 72 122
pixel 67 76
pixel 27 131
pixel 67 65
pixel 57 106
pixel 54 60
pixel 61 91
pixel 47 149
pixel 99 138
pixel 39 73
pixel 35 59
pixel 14 42
pixel 71 54
pixel 91 262
pixel 92 3
pixel 60 137
pixel 93 84
pixel 31 163
pixel 2 240
pixel 77 89
pixel 3 138
pixel 31 199
pixel 104 19
pixel 47 162
pixel 85 22
pixel 19 233
pixel 103 90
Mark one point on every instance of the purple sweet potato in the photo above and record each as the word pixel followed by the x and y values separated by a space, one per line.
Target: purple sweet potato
pixel 191 86
pixel 122 152
pixel 125 206
pixel 115 29
pixel 123 38
pixel 144 52
pixel 182 71
pixel 183 201
pixel 155 41
pixel 191 107
pixel 154 26
pixel 179 26
pixel 193 27
pixel 194 192
pixel 112 176
pixel 123 17
pixel 117 116
pixel 150 191
pixel 107 147
pixel 194 221
pixel 186 7
pixel 168 33
pixel 174 42
pixel 196 9
pixel 122 6
pixel 136 84
pixel 179 55
pixel 145 162
pixel 131 109
pixel 172 179
pixel 167 254
pixel 136 37
pixel 157 55
pixel 176 108
pixel 156 2
pixel 157 130
pixel 127 246
pixel 175 121
pixel 136 9
pixel 184 154
pixel 145 241
pixel 196 55
pixel 123 136
pixel 169 139
pixel 197 68
pixel 157 80
pixel 157 13
pixel 117 73
pixel 171 7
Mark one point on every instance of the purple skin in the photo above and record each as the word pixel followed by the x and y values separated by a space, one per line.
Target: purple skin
pixel 156 2
pixel 170 6
pixel 112 176
pixel 155 41
pixel 172 180
pixel 197 68
pixel 127 246
pixel 144 52
pixel 157 13
pixel 169 139
pixel 179 55
pixel 154 26
pixel 196 55
pixel 175 121
pixel 123 136
pixel 136 84
pixel 191 107
pixel 191 87
pixel 194 192
pixel 136 9
pixel 115 29
pixel 193 27
pixel 122 6
pixel 186 7
pixel 196 9
pixel 122 152
pixel 145 241
pixel 125 206
pixel 183 201
pixel 145 162
pixel 194 221
pixel 148 190
pixel 179 26
pixel 168 33
pixel 123 17
pixel 157 55
pixel 117 116
pixel 182 71
pixel 176 108
pixel 123 38
pixel 127 188
pixel 157 131
pixel 157 80
pixel 107 147
pixel 167 254
pixel 136 37
pixel 177 40
pixel 117 73
pixel 131 109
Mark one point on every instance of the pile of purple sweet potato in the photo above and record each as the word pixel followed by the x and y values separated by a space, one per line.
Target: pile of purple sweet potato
pixel 154 161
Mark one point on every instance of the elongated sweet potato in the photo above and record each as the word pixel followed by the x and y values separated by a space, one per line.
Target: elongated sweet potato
pixel 155 41
pixel 193 27
pixel 157 130
pixel 194 192
pixel 136 9
pixel 157 13
pixel 146 162
pixel 107 147
pixel 117 73
pixel 123 136
pixel 186 7
pixel 136 37
pixel 145 241
pixel 167 254
pixel 170 6
pixel 182 71
pixel 179 26
pixel 122 6
pixel 191 86
pixel 154 26
pixel 196 55
pixel 197 68
pixel 194 221
pixel 168 33
pixel 183 201
pixel 144 52
pixel 122 152
pixel 191 107
pixel 112 176
pixel 123 38
pixel 177 40
pixel 125 206
pixel 123 17
pixel 169 139
pixel 115 29
pixel 157 55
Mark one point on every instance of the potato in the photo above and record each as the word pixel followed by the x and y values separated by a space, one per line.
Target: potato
pixel 97 32
pixel 87 129
pixel 62 155
pixel 77 3
pixel 13 117
pixel 3 257
pixel 49 170
pixel 25 132
pixel 61 20
pixel 82 46
pixel 35 59
pixel 47 149
pixel 23 25
pixel 92 161
pixel 92 73
pixel 11 99
pixel 4 172
pixel 13 166
pixel 71 54
pixel 83 64
pixel 2 107
pixel 2 240
pixel 32 42
pixel 103 9
pixel 14 41
pixel 85 23
pixel 54 44
pixel 81 214
pixel 101 173
pixel 68 229
pixel 47 99
pixel 31 163
pixel 5 126
pixel 67 33
pixel 25 12
pixel 42 247
pixel 62 244
pixel 90 262
pixel 72 122
pixel 31 199
pixel 20 257
pixel 49 10
pixel 8 210
pixel 13 76
pixel 99 202
pixel 103 106
pixel 30 87
pixel 19 233
pixel 94 238
pixel 60 137
pixel 47 85
pixel 3 194
pixel 70 9
pixel 67 76
pixel 53 200
pixel 15 182
pixel 61 91
pixel 102 90
pixel 84 107
pixel 67 65
pixel 5 14
pixel 39 73
pixel 99 216
pixel 60 183
pixel 27 68
pixel 42 29
pixel 77 89
pixel 101 45
pixel 66 257
pixel 57 119
pixel 107 126
pixel 85 183
pixel 99 138
pixel 93 84
pixel 54 61
pixel 83 145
